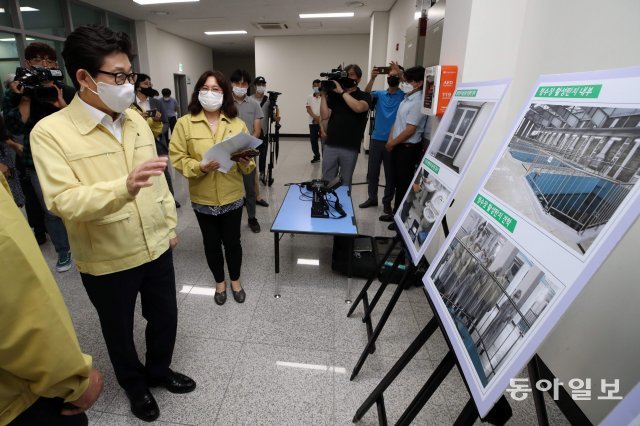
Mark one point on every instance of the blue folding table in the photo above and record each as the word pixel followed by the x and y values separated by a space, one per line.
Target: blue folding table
pixel 294 217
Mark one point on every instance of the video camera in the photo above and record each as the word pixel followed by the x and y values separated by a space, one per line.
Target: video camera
pixel 336 74
pixel 321 203
pixel 31 80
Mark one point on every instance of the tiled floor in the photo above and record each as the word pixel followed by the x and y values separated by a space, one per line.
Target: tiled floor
pixel 280 361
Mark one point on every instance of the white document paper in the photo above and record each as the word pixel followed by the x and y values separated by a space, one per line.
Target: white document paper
pixel 222 151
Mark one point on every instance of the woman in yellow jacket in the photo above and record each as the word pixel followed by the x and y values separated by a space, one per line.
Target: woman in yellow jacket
pixel 216 197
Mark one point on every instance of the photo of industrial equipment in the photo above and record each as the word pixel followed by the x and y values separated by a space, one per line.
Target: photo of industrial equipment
pixel 424 202
pixel 568 168
pixel 493 292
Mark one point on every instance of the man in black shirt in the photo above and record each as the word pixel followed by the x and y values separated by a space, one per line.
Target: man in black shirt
pixel 346 107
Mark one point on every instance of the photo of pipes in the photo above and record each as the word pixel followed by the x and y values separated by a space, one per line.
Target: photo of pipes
pixel 493 292
pixel 422 206
pixel 569 167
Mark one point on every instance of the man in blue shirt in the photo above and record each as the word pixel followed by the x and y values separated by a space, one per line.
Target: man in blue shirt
pixel 405 139
pixel 387 103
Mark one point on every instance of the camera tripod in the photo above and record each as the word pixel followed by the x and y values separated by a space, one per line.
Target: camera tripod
pixel 272 138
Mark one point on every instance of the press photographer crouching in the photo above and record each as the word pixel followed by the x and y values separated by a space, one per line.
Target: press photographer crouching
pixel 346 107
pixel 37 92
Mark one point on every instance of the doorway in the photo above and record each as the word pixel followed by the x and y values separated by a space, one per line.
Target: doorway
pixel 180 86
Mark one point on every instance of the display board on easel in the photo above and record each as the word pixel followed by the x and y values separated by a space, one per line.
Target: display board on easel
pixel 443 166
pixel 558 197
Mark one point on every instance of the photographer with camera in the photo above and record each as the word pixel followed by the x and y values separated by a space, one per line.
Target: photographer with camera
pixel 37 92
pixel 346 107
pixel 387 103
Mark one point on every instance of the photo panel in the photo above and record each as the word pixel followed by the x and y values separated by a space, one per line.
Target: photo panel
pixel 420 209
pixel 448 156
pixel 558 197
pixel 494 293
pixel 570 167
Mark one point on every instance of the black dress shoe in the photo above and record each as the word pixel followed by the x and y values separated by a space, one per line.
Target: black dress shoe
pixel 368 203
pixel 386 218
pixel 239 296
pixel 315 160
pixel 174 382
pixel 143 405
pixel 386 209
pixel 220 297
pixel 262 203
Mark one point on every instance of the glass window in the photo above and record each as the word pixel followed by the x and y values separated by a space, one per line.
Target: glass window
pixel 85 15
pixel 117 23
pixel 5 16
pixel 45 19
pixel 9 59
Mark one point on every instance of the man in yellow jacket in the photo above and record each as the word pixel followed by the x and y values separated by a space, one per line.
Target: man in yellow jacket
pixel 44 377
pixel 100 173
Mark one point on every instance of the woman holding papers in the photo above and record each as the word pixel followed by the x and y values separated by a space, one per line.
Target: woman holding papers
pixel 216 196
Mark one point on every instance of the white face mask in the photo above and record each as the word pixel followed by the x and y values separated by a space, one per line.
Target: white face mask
pixel 211 101
pixel 406 87
pixel 316 90
pixel 240 91
pixel 117 97
pixel 261 89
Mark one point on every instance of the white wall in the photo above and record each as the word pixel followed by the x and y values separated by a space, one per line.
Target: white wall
pixel 290 64
pixel 401 16
pixel 599 335
pixel 160 54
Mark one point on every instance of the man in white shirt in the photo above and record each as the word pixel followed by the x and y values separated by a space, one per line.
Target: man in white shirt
pixel 313 109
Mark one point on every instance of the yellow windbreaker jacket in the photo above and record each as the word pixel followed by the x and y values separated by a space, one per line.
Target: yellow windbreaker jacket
pixel 83 170
pixel 191 139
pixel 39 350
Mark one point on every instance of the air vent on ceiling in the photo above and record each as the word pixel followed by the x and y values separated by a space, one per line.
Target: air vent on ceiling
pixel 271 26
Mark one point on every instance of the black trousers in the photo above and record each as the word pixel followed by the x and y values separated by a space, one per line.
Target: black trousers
pixel 314 137
pixel 216 232
pixel 404 159
pixel 114 297
pixel 162 147
pixel 46 411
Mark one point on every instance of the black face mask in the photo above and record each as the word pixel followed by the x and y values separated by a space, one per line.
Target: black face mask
pixel 148 91
pixel 347 83
pixel 393 81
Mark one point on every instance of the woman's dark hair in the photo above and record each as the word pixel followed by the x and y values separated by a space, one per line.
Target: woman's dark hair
pixel 40 49
pixel 87 46
pixel 228 105
pixel 414 74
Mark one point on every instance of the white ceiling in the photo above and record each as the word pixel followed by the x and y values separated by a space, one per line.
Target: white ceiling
pixel 191 20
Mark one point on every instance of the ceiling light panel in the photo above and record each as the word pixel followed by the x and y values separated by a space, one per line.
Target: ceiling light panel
pixel 225 32
pixel 146 2
pixel 326 15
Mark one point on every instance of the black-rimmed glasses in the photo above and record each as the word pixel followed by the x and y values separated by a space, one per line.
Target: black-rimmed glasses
pixel 120 77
